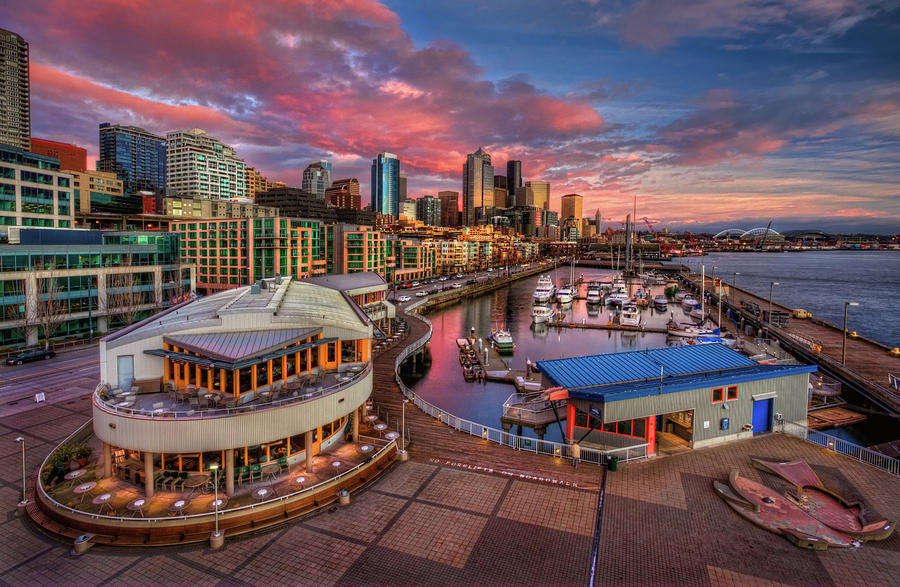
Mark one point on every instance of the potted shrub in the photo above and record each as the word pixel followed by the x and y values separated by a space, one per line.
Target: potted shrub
pixel 81 453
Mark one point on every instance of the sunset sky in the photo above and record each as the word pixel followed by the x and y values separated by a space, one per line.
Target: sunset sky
pixel 714 114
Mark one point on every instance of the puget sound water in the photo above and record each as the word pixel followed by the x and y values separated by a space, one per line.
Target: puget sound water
pixel 816 281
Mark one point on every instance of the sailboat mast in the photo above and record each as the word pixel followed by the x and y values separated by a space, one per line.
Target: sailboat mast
pixel 702 294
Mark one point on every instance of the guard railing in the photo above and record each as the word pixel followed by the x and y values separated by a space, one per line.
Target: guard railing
pixel 844 447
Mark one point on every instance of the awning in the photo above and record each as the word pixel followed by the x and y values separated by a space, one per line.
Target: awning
pixel 207 362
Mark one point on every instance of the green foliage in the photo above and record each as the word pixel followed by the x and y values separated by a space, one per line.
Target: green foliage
pixel 671 291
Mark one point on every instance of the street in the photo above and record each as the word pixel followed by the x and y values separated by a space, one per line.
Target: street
pixel 69 375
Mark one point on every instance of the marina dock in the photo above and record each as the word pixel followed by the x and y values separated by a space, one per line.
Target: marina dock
pixel 868 366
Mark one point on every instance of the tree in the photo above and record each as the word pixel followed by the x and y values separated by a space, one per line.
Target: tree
pixel 50 308
pixel 123 299
pixel 21 321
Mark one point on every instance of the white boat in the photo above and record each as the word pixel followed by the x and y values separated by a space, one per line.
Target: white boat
pixel 541 314
pixel 564 295
pixel 660 302
pixel 616 298
pixel 679 296
pixel 689 303
pixel 630 316
pixel 689 329
pixel 696 314
pixel 729 342
pixel 503 342
pixel 593 294
pixel 543 293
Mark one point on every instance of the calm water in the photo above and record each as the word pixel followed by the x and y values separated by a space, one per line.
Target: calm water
pixel 821 282
pixel 816 281
pixel 510 307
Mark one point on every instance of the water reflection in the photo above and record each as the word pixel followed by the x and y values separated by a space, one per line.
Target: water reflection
pixel 443 383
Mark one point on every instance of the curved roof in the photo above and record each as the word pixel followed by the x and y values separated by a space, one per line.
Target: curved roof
pixel 755 232
pixel 730 233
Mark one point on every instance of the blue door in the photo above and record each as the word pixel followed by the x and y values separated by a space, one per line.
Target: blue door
pixel 762 416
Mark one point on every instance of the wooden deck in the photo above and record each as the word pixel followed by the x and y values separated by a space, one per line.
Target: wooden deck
pixel 430 440
pixel 833 418
pixel 868 362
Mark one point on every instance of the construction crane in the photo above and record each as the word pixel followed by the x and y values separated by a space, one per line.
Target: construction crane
pixel 762 241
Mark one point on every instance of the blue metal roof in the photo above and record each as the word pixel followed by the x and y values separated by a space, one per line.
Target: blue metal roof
pixel 635 389
pixel 596 370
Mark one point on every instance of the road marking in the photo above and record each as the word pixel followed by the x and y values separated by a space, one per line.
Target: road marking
pixel 50 370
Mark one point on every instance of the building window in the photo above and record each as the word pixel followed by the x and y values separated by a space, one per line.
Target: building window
pixel 732 393
pixel 718 395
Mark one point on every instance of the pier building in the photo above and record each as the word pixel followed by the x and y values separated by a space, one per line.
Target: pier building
pixel 676 397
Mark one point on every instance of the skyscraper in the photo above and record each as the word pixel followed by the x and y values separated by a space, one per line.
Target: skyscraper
pixel 541 193
pixel 15 91
pixel 344 193
pixel 401 189
pixel 478 187
pixel 428 210
pixel 136 156
pixel 386 184
pixel 598 220
pixel 317 178
pixel 571 207
pixel 449 208
pixel 202 166
pixel 513 181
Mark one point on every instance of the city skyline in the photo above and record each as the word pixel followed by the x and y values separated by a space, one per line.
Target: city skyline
pixel 782 110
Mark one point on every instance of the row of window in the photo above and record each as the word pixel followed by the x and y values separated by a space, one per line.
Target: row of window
pixel 720 394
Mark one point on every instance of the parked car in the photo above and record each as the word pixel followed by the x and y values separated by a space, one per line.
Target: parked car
pixel 490 269
pixel 33 355
pixel 472 282
pixel 421 294
pixel 402 299
pixel 456 285
pixel 444 278
pixel 416 284
pixel 458 276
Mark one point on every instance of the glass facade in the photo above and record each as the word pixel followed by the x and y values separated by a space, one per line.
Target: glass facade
pixel 386 184
pixel 136 156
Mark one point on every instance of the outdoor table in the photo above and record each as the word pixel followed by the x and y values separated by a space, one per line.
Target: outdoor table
pixel 217 503
pixel 366 448
pixel 356 368
pixel 337 466
pixel 369 407
pixel 381 426
pixel 300 481
pixel 178 506
pixel 159 411
pixel 263 493
pixel 344 378
pixel 271 472
pixel 137 506
pixel 102 501
pixel 84 488
pixel 125 404
pixel 392 435
pixel 72 475
pixel 195 482
pixel 265 394
pixel 371 418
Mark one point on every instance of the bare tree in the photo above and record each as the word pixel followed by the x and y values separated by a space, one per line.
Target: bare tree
pixel 174 291
pixel 50 309
pixel 21 320
pixel 123 299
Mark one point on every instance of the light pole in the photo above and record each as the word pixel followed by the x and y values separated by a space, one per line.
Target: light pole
pixel 734 280
pixel 844 339
pixel 90 308
pixel 403 455
pixel 772 285
pixel 215 469
pixel 21 440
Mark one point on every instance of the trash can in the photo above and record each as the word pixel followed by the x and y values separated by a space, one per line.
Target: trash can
pixel 613 463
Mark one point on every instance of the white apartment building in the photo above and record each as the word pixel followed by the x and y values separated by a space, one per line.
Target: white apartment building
pixel 202 166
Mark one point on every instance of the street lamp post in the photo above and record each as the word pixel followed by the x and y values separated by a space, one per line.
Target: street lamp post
pixel 90 308
pixel 21 440
pixel 216 540
pixel 734 280
pixel 772 285
pixel 844 339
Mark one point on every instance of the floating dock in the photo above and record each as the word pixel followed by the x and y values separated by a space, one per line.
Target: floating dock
pixel 826 418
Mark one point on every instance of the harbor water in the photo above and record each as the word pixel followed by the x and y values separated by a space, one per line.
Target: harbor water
pixel 820 282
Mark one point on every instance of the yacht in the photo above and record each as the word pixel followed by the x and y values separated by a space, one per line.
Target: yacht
pixel 616 298
pixel 630 316
pixel 544 291
pixel 503 342
pixel 593 293
pixel 697 314
pixel 541 314
pixel 660 302
pixel 689 303
pixel 679 296
pixel 564 295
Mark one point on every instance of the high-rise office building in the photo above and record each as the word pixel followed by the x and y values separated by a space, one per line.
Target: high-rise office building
pixel 401 187
pixel 34 191
pixel 317 178
pixel 478 186
pixel 449 208
pixel 257 183
pixel 500 182
pixel 202 166
pixel 344 193
pixel 513 181
pixel 428 210
pixel 386 184
pixel 71 157
pixel 524 196
pixel 571 207
pixel 598 221
pixel 136 156
pixel 541 191
pixel 15 91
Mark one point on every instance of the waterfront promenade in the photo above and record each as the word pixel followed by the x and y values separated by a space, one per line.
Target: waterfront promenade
pixel 867 365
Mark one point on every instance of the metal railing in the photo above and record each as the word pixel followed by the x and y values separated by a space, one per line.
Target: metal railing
pixel 204 413
pixel 525 443
pixel 222 512
pixel 841 446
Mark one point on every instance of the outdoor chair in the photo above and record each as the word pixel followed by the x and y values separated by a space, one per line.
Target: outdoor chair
pixel 283 464
pixel 245 475
pixel 255 472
